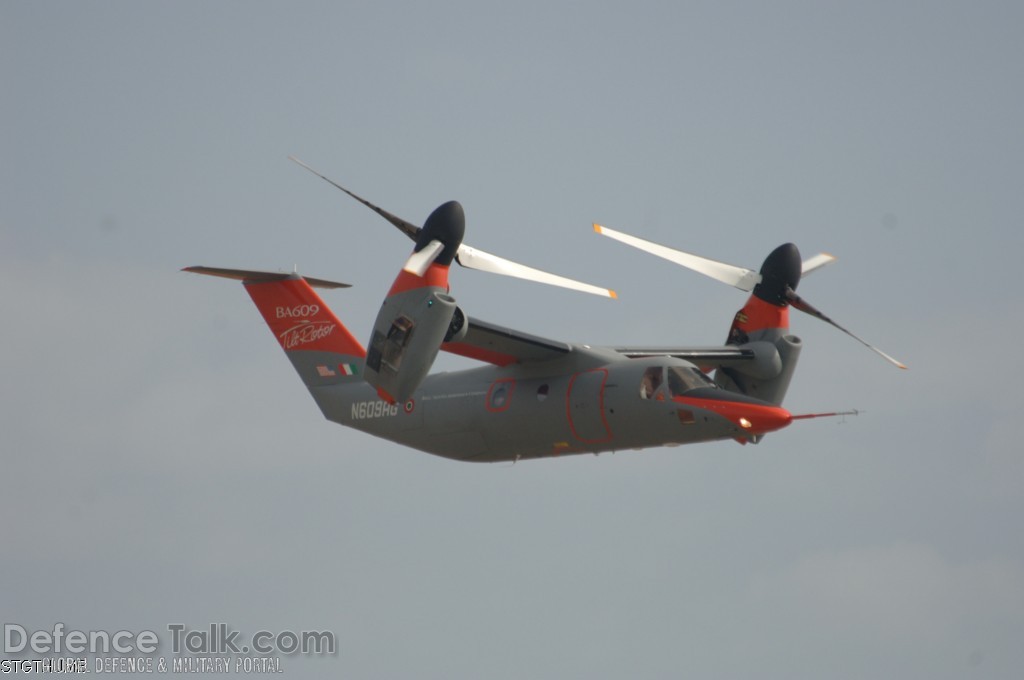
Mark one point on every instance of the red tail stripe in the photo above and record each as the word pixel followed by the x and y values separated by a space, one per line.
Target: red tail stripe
pixel 299 318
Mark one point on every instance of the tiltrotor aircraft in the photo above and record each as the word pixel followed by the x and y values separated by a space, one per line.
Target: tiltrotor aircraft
pixel 534 397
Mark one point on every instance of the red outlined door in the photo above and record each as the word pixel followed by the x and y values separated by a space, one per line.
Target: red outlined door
pixel 584 405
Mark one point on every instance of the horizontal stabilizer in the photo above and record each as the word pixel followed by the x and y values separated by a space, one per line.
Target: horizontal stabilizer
pixel 256 276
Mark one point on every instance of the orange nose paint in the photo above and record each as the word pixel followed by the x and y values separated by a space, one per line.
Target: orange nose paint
pixel 752 418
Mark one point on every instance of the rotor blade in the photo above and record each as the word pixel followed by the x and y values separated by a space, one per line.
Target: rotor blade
pixel 804 306
pixel 744 279
pixel 816 262
pixel 409 229
pixel 418 262
pixel 473 258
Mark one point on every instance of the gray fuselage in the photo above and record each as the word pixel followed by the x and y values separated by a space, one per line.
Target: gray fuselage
pixel 588 402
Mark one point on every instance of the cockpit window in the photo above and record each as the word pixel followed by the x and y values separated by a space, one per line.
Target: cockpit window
pixel 650 383
pixel 681 380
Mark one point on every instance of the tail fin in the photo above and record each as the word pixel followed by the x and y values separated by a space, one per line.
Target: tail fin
pixel 319 346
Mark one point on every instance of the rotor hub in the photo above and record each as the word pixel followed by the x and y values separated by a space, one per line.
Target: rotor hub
pixel 780 273
pixel 446 224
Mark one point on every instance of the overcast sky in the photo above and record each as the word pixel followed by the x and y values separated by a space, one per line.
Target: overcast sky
pixel 161 462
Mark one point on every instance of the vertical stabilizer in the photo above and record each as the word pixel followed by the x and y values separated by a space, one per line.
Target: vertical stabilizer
pixel 319 346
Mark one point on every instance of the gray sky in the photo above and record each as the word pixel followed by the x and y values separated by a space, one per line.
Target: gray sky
pixel 162 463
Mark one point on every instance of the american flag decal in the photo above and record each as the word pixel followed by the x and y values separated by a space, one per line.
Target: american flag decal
pixel 325 372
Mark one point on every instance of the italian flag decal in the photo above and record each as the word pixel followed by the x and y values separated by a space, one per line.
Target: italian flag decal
pixel 347 369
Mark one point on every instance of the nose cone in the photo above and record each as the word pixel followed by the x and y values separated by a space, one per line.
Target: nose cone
pixel 752 416
pixel 446 224
pixel 781 269
pixel 764 419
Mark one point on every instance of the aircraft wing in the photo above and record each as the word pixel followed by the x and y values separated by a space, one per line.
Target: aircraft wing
pixel 503 346
pixel 499 345
pixel 704 357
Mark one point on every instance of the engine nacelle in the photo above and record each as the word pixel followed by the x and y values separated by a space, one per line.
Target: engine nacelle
pixel 417 312
pixel 769 375
pixel 407 335
pixel 458 327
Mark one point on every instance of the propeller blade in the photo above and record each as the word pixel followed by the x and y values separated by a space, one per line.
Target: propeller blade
pixel 799 303
pixel 420 261
pixel 744 279
pixel 474 258
pixel 468 257
pixel 816 262
pixel 408 228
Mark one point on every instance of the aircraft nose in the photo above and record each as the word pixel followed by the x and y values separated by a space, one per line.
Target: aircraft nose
pixel 762 419
pixel 751 415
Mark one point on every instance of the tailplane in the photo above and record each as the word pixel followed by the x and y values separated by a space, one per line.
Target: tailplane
pixel 319 346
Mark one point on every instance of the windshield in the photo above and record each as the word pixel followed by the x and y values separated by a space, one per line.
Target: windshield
pixel 681 380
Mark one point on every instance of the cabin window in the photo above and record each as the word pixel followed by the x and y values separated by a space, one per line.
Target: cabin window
pixel 651 381
pixel 500 395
